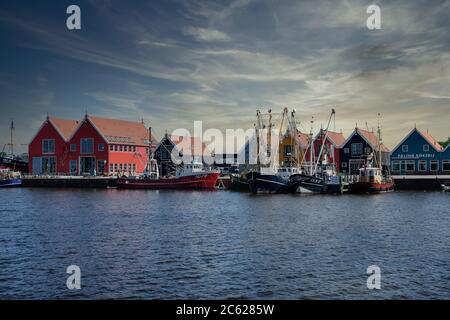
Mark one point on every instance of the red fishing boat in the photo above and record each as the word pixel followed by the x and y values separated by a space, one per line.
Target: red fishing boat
pixel 188 176
pixel 191 176
pixel 371 178
pixel 371 181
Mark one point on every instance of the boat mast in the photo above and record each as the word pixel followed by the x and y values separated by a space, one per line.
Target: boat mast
pixel 258 121
pixel 379 145
pixel 150 151
pixel 311 148
pixel 11 143
pixel 324 138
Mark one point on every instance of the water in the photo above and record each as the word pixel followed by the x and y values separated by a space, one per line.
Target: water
pixel 220 245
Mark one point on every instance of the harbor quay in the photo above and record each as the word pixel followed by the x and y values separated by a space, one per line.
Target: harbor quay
pixel 95 152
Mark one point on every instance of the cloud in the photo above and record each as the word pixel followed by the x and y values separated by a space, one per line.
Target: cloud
pixel 203 34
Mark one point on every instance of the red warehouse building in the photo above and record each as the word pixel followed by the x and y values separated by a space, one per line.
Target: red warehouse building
pixel 94 145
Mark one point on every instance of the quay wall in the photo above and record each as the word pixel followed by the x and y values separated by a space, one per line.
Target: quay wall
pixel 68 182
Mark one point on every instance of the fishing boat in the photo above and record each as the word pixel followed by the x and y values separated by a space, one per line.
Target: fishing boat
pixel 371 178
pixel 318 176
pixel 187 176
pixel 270 177
pixel 9 178
pixel 238 182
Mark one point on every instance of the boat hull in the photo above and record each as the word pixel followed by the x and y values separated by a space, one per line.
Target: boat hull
pixel 301 183
pixel 259 183
pixel 238 183
pixel 371 187
pixel 9 183
pixel 198 181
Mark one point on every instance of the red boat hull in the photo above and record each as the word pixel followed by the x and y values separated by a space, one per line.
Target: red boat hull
pixel 200 181
pixel 370 187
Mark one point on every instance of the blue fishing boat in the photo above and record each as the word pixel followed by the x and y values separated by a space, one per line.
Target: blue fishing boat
pixel 9 178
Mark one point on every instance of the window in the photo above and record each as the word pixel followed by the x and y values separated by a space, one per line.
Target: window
pixel 130 168
pixel 48 165
pixel 87 145
pixel 395 165
pixel 73 147
pixel 346 150
pixel 125 167
pixel 357 149
pixel 134 167
pixel 404 148
pixel 434 165
pixel 446 165
pixel 116 147
pixel 116 167
pixel 48 146
pixel 101 166
pixel 134 148
pixel 120 148
pixel 101 147
pixel 73 166
pixel 111 147
pixel 111 167
pixel 426 148
pixel 422 165
pixel 344 164
pixel 367 150
pixel 120 167
pixel 410 165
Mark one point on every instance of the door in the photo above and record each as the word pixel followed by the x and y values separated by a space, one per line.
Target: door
pixel 37 165
pixel 87 165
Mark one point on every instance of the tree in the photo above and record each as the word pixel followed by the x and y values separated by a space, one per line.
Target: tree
pixel 445 143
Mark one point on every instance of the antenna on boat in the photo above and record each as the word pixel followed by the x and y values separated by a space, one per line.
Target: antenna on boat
pixel 11 144
pixel 379 143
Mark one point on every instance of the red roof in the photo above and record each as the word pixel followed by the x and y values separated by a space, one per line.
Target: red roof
pixel 336 137
pixel 65 127
pixel 372 139
pixel 121 131
pixel 304 139
pixel 431 140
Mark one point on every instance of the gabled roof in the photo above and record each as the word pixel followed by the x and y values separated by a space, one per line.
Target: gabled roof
pixel 304 139
pixel 426 136
pixel 64 126
pixel 369 137
pixel 431 140
pixel 121 131
pixel 337 138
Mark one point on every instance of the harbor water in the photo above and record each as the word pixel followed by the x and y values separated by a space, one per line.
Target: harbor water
pixel 222 245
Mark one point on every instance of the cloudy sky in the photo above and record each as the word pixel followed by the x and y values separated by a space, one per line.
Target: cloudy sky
pixel 173 62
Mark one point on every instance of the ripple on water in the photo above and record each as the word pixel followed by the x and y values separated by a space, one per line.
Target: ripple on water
pixel 222 245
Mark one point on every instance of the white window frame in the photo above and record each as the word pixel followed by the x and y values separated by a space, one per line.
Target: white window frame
pixel 43 146
pixel 70 166
pixel 426 148
pixel 422 162
pixel 81 145
pixel 435 162
pixel 346 150
pixel 358 145
pixel 445 162
pixel 397 162
pixel 405 148
pixel 101 147
pixel 413 163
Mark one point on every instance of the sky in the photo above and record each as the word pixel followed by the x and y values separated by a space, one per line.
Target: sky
pixel 172 62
